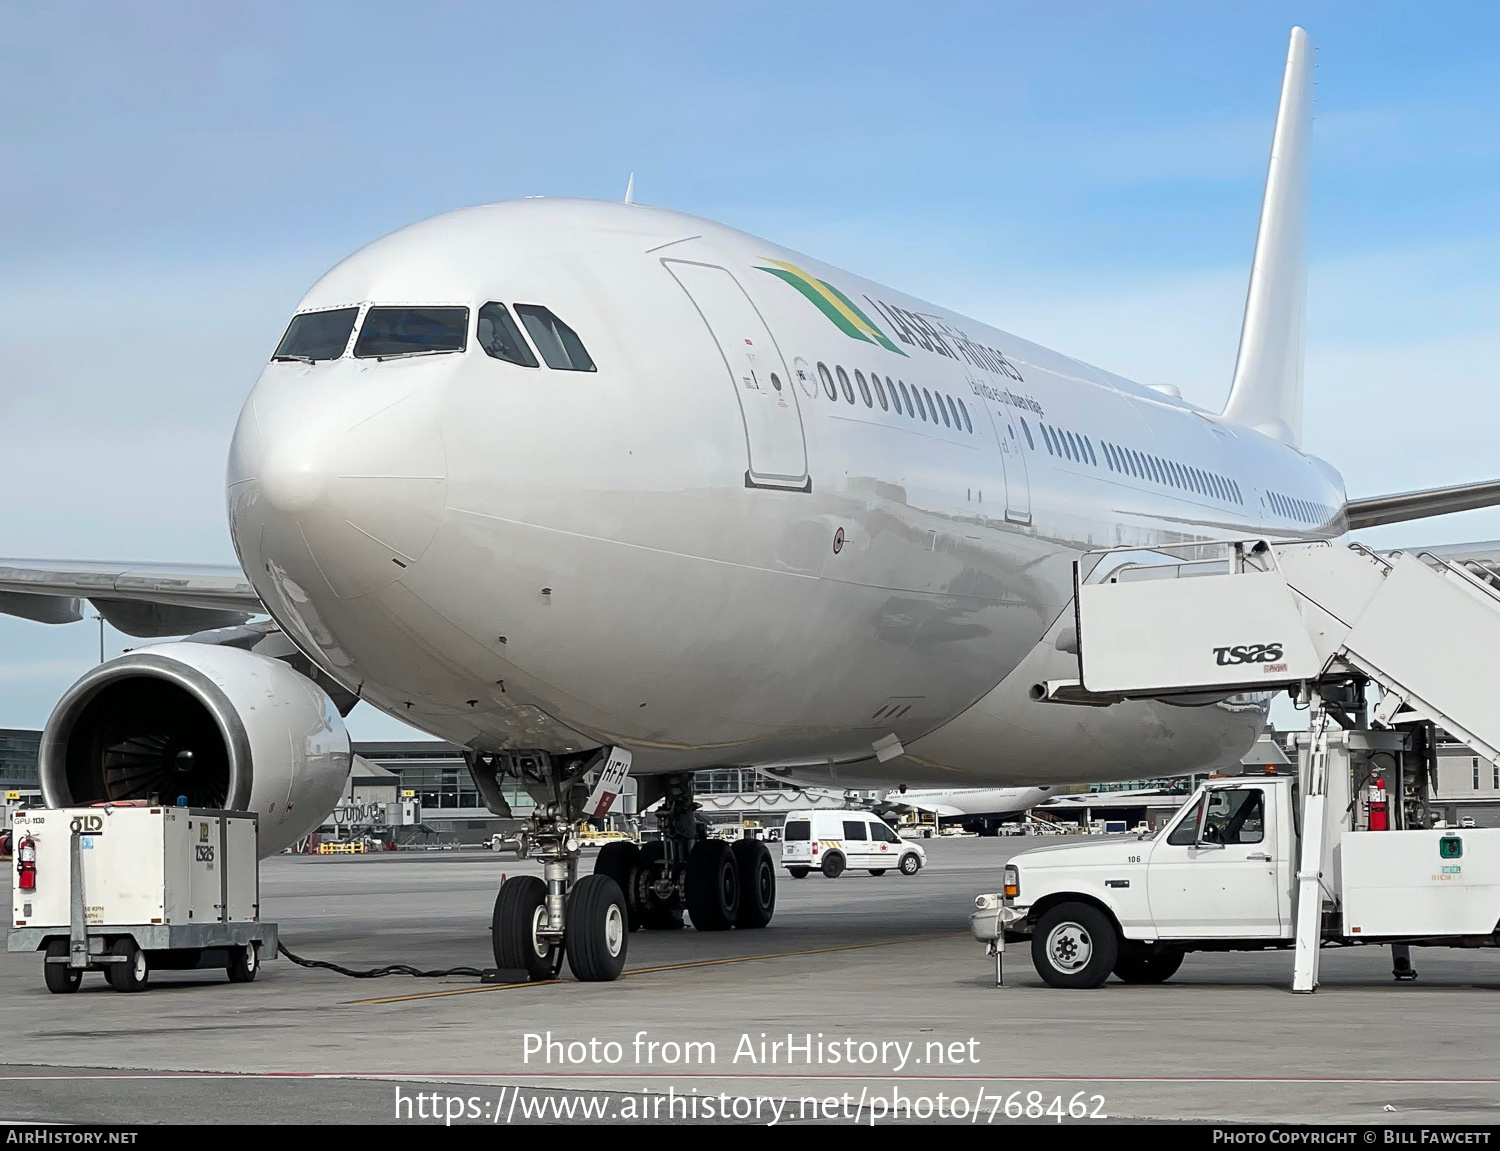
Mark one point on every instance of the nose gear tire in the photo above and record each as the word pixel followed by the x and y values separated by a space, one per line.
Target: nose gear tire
pixel 520 908
pixel 598 929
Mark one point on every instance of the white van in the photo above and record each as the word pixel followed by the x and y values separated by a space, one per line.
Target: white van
pixel 833 841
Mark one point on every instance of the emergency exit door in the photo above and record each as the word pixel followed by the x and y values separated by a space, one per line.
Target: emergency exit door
pixel 774 442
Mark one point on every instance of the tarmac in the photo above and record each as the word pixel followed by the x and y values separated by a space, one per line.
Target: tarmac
pixel 865 1000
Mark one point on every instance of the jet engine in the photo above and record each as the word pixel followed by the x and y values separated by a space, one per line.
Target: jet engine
pixel 219 726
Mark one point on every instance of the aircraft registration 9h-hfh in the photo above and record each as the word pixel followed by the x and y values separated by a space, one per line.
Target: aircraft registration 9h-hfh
pixel 586 487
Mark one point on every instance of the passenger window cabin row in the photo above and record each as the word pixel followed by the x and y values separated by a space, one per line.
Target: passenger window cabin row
pixel 1304 511
pixel 1079 448
pixel 916 402
pixel 391 332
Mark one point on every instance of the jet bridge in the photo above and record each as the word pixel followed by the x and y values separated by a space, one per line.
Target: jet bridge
pixel 1200 623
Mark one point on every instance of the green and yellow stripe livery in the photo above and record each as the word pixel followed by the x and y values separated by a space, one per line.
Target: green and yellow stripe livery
pixel 838 307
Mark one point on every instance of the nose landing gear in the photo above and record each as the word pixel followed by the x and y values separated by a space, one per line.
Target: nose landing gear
pixel 539 921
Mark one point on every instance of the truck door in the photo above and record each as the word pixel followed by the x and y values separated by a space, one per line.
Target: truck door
pixel 1212 874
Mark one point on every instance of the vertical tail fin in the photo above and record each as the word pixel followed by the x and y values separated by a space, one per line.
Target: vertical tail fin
pixel 1267 390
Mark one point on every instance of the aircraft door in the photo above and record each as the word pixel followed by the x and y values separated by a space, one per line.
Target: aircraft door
pixel 774 440
pixel 1008 432
pixel 1017 479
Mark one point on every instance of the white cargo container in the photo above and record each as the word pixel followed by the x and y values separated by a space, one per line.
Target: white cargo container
pixel 125 888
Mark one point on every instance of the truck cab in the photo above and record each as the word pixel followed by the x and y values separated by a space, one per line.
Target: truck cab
pixel 1221 872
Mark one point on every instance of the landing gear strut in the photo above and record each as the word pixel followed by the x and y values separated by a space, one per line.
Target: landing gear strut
pixel 538 921
pixel 718 884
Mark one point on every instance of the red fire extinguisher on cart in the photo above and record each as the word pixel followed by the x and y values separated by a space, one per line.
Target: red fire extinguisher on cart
pixel 1380 810
pixel 26 863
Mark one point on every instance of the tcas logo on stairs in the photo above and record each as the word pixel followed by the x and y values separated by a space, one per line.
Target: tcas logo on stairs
pixel 1248 653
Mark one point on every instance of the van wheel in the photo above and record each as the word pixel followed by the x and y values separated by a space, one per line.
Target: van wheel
pixel 798 872
pixel 59 977
pixel 132 973
pixel 911 863
pixel 877 871
pixel 1075 946
pixel 833 865
pixel 1146 966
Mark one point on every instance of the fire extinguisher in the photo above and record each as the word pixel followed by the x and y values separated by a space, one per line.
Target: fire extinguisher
pixel 26 863
pixel 1380 811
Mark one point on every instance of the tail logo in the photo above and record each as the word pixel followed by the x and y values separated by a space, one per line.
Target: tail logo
pixel 839 308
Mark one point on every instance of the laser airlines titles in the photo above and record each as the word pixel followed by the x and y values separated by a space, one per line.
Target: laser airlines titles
pixel 933 334
pixel 805 1050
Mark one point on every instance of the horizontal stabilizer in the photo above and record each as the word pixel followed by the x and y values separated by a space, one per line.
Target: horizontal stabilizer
pixel 1403 506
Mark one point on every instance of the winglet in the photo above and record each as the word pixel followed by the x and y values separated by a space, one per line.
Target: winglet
pixel 1267 391
pixel 630 189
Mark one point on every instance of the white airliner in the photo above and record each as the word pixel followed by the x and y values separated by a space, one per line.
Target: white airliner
pixel 980 809
pixel 583 485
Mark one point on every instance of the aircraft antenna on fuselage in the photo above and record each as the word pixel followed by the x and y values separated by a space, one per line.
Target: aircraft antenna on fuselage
pixel 1267 391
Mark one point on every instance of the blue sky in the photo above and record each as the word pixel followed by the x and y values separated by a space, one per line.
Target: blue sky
pixel 1086 175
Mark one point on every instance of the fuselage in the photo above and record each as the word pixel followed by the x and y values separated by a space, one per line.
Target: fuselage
pixel 788 516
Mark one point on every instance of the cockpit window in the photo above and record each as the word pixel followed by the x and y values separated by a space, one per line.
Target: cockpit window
pixel 405 331
pixel 558 343
pixel 317 335
pixel 499 337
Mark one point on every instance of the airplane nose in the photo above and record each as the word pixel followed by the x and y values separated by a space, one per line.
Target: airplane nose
pixel 339 480
pixel 293 478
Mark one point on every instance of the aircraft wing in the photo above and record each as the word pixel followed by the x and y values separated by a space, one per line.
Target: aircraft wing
pixel 1392 509
pixel 140 599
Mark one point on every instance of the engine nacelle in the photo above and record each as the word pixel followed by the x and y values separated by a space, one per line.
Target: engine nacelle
pixel 222 726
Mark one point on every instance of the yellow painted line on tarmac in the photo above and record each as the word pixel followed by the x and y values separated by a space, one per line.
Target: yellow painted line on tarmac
pixel 660 968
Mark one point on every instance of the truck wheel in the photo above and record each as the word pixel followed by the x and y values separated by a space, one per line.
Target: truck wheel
pixel 911 863
pixel 244 963
pixel 59 977
pixel 598 929
pixel 757 883
pixel 130 975
pixel 621 861
pixel 1074 946
pixel 833 865
pixel 713 886
pixel 798 872
pixel 1147 966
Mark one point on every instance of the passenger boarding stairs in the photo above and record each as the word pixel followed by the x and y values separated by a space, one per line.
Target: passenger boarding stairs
pixel 1251 616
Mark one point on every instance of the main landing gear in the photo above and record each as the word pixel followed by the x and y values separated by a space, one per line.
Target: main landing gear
pixel 588 919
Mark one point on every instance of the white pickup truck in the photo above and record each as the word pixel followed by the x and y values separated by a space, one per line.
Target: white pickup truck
pixel 1221 875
